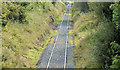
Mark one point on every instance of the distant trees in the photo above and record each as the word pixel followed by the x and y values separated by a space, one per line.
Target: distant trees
pixel 101 9
pixel 83 6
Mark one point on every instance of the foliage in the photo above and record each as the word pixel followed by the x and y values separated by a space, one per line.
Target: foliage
pixel 78 8
pixel 81 6
pixel 115 48
pixel 13 12
pixel 22 44
pixel 91 37
pixel 101 9
pixel 94 37
pixel 116 14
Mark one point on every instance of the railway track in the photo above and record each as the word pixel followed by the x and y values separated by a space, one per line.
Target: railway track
pixel 55 55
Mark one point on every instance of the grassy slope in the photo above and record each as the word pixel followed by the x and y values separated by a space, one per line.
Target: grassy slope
pixel 92 36
pixel 23 43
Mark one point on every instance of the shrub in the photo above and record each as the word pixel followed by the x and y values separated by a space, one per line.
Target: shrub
pixel 115 54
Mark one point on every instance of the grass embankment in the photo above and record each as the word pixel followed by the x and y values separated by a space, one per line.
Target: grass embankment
pixel 97 34
pixel 92 37
pixel 22 43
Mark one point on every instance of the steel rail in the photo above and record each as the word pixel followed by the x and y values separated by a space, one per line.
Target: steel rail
pixel 55 42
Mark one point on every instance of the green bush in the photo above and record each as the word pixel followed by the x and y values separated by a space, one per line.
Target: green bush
pixel 116 15
pixel 115 54
pixel 13 12
pixel 101 9
pixel 114 50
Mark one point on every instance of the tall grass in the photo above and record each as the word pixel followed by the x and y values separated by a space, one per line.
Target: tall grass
pixel 23 43
pixel 92 38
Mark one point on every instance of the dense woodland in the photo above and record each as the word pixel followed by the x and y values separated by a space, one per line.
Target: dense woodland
pixel 27 27
pixel 97 34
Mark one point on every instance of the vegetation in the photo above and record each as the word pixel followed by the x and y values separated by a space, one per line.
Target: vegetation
pixel 96 29
pixel 27 27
